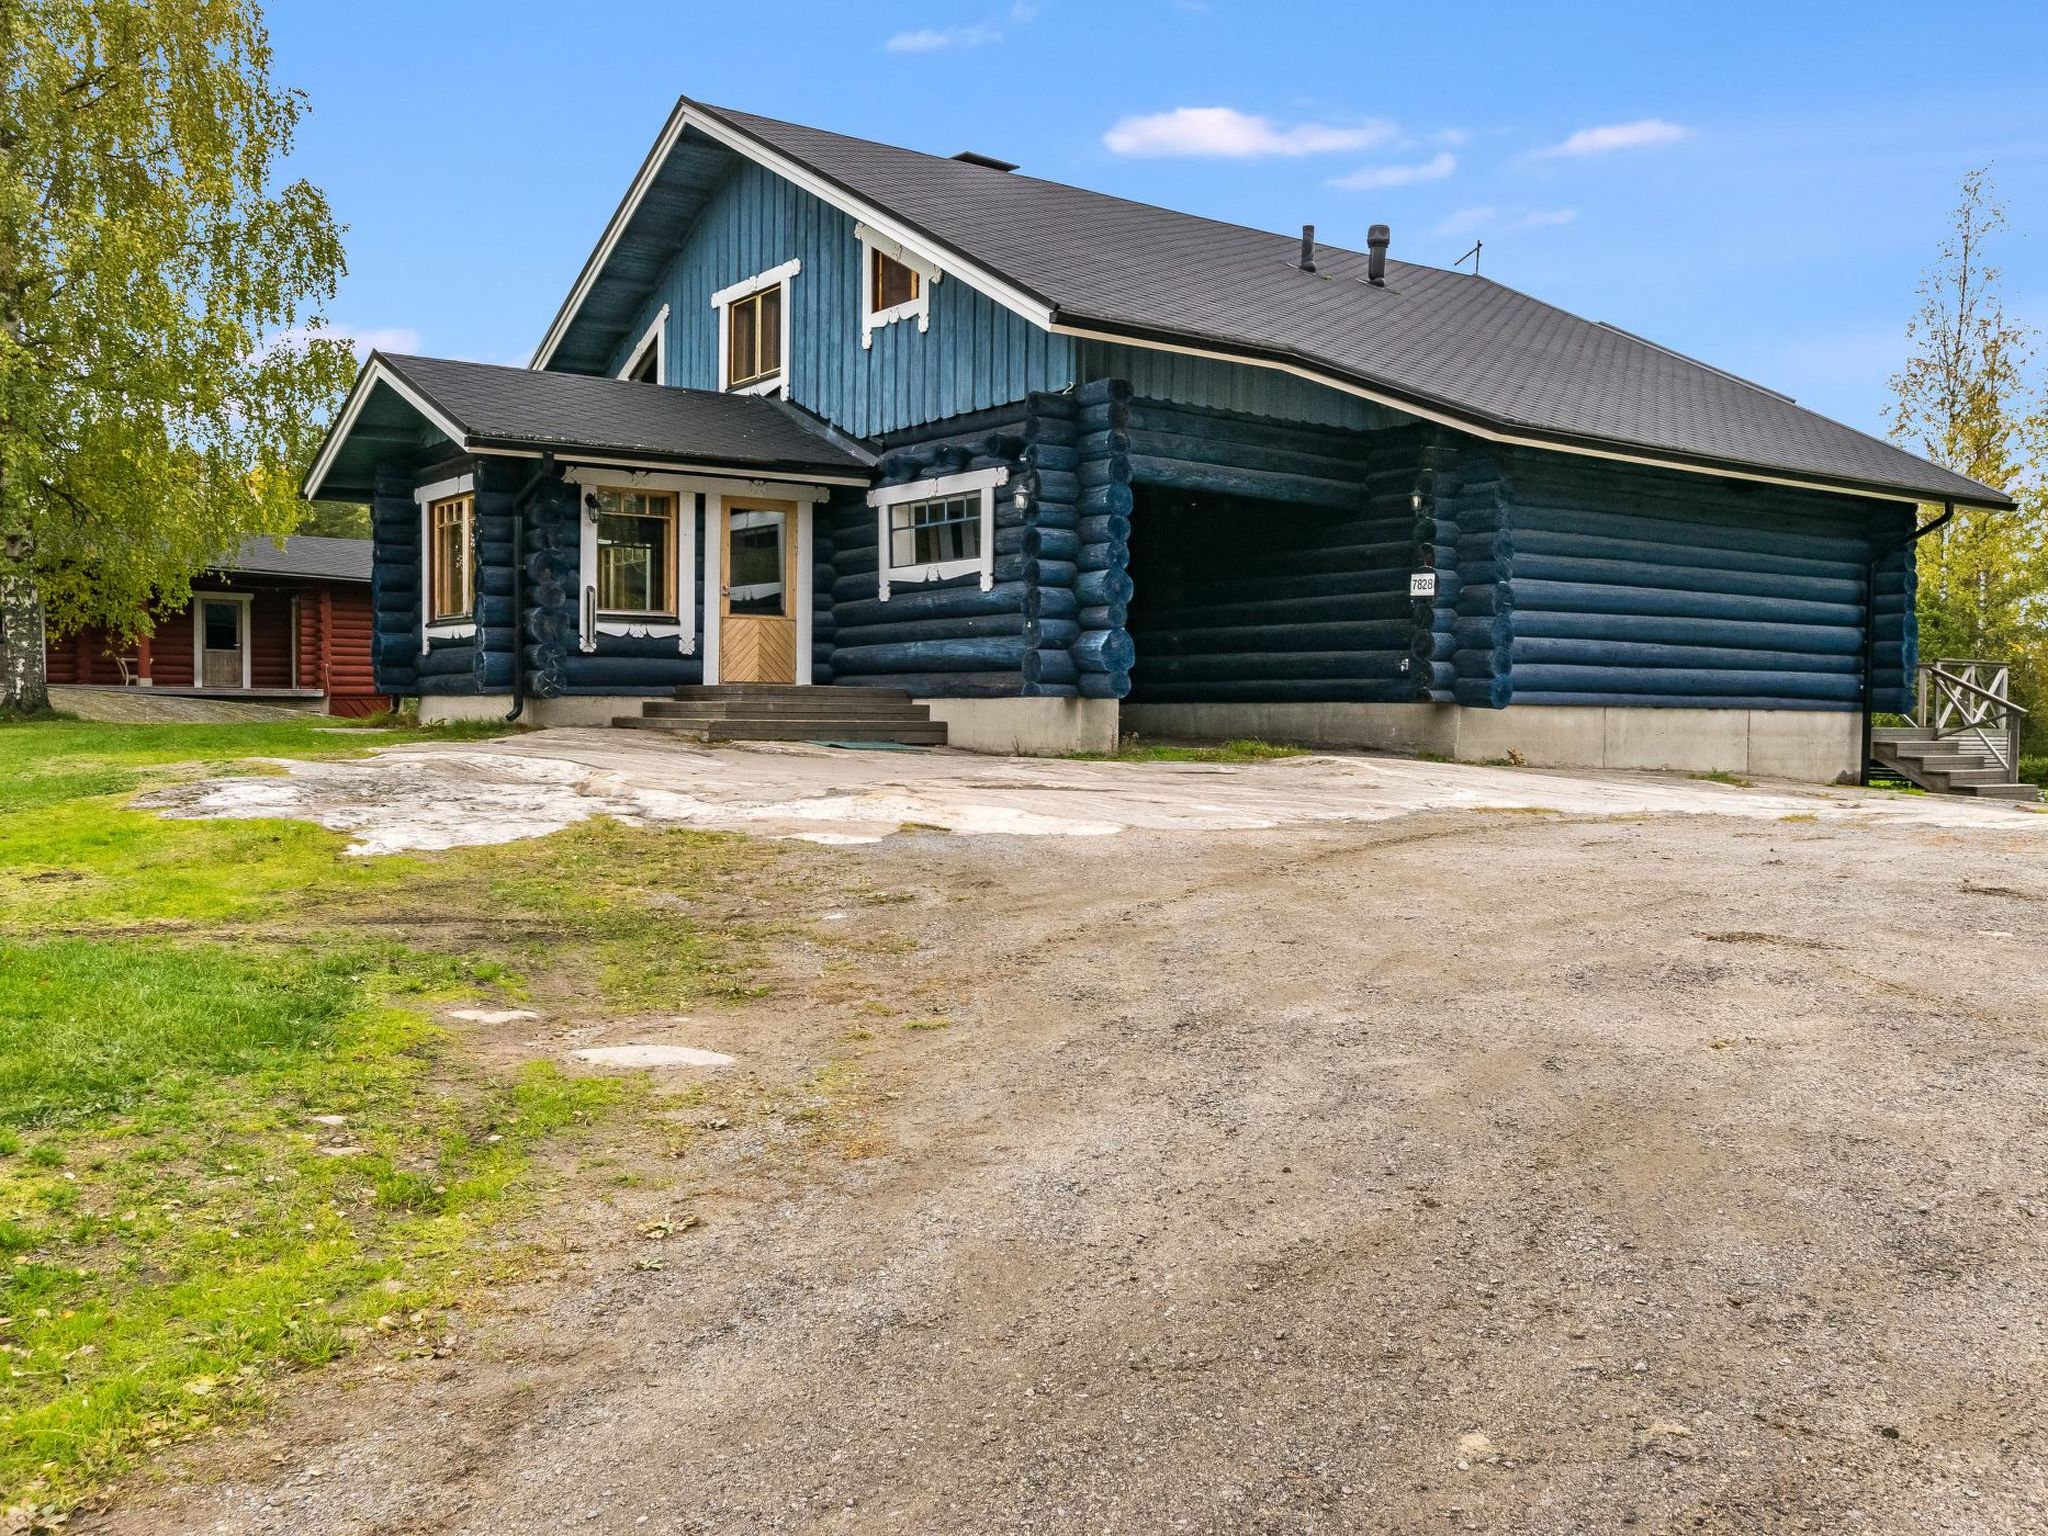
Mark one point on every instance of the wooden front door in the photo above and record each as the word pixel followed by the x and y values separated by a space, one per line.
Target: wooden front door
pixel 757 592
pixel 223 643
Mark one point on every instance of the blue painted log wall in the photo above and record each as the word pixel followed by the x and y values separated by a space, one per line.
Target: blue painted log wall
pixel 1620 585
pixel 975 355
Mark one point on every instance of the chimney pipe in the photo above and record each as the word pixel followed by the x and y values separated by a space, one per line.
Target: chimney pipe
pixel 1377 239
pixel 1308 247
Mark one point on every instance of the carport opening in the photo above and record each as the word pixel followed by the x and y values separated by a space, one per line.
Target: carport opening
pixel 1238 600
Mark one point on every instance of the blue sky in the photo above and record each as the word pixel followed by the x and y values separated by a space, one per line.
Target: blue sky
pixel 1757 185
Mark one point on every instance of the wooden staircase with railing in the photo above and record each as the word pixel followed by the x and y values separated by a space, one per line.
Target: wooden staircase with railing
pixel 1965 734
pixel 781 712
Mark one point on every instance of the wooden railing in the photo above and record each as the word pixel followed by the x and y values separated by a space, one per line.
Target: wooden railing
pixel 1970 700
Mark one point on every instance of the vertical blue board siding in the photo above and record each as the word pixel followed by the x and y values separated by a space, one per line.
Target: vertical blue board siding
pixel 975 355
pixel 1652 588
pixel 1185 380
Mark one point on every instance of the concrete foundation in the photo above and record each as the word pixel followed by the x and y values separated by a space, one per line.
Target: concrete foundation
pixel 581 709
pixel 1821 747
pixel 1028 727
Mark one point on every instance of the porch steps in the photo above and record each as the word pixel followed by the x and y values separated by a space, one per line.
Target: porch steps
pixel 1949 765
pixel 774 712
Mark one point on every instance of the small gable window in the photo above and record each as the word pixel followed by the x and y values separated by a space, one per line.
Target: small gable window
pixel 754 329
pixel 753 332
pixel 934 530
pixel 896 284
pixel 636 559
pixel 890 282
pixel 451 557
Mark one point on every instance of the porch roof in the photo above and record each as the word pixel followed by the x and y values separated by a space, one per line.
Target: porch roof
pixel 409 408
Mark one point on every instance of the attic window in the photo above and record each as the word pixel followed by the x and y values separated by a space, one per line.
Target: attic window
pixel 896 284
pixel 753 332
pixel 889 282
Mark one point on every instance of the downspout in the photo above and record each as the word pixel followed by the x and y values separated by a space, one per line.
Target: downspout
pixel 533 483
pixel 1948 511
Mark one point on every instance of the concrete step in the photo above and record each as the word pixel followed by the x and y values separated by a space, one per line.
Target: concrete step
pixel 924 733
pixel 1961 778
pixel 777 708
pixel 2029 794
pixel 932 733
pixel 757 691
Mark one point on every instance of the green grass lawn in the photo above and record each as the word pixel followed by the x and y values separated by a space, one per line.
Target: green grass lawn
pixel 196 1016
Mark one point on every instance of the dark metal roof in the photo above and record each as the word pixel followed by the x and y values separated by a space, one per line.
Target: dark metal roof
pixel 1441 343
pixel 484 406
pixel 306 554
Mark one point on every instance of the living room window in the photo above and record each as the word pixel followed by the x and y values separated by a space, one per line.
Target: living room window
pixel 636 553
pixel 934 530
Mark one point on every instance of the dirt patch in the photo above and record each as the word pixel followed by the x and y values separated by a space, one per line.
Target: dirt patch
pixel 1445 1176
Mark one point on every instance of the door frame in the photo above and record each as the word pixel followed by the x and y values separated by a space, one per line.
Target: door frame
pixel 802 501
pixel 243 600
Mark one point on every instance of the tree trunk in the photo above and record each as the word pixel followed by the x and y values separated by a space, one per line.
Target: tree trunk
pixel 24 680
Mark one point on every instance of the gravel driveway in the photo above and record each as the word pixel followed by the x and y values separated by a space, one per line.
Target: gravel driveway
pixel 1464 1171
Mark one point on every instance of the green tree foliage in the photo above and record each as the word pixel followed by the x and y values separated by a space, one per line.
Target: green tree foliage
pixel 163 366
pixel 1970 398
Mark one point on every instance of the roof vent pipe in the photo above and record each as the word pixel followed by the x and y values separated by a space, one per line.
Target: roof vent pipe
pixel 1308 247
pixel 1377 239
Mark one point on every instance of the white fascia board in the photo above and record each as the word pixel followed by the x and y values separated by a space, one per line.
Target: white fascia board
pixel 654 336
pixel 748 286
pixel 1003 292
pixel 1494 434
pixel 793 484
pixel 942 485
pixel 375 372
pixel 912 257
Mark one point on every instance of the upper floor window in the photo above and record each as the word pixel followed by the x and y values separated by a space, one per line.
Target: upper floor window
pixel 754 338
pixel 753 334
pixel 896 284
pixel 451 557
pixel 890 282
pixel 636 552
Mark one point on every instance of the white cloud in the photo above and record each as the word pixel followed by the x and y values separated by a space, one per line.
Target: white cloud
pixel 1466 221
pixel 1487 219
pixel 1371 177
pixel 1641 134
pixel 932 39
pixel 1226 133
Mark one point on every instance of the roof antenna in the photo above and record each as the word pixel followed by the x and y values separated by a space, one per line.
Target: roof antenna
pixel 1471 256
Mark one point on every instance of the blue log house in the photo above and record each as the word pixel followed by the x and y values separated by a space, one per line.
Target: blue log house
pixel 836 438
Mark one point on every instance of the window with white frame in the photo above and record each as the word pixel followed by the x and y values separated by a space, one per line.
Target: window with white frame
pixel 753 332
pixel 896 284
pixel 451 558
pixel 934 530
pixel 636 553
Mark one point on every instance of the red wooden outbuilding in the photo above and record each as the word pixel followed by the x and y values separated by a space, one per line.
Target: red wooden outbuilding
pixel 289 625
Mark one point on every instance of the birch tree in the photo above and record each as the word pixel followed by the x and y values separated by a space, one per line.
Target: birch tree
pixel 1969 398
pixel 163 364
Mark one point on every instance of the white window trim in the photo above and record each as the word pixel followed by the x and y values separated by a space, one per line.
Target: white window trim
pixel 919 308
pixel 589 622
pixel 242 600
pixel 882 498
pixel 655 336
pixel 426 496
pixel 747 288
